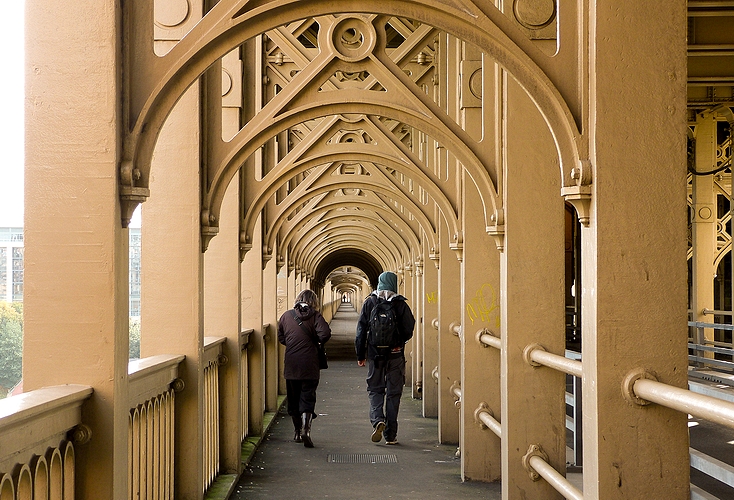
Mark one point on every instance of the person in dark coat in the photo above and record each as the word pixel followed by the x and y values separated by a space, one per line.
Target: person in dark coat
pixel 301 370
pixel 386 372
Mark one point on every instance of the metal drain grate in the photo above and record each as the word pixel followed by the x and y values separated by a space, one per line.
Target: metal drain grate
pixel 361 458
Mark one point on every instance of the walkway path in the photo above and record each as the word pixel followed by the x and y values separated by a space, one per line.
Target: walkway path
pixel 341 464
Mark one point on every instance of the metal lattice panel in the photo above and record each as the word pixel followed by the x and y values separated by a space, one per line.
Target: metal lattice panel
pixel 361 458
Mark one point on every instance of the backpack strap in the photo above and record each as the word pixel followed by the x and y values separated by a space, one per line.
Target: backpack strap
pixel 313 335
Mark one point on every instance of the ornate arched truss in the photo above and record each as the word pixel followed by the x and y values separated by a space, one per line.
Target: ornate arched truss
pixel 349 94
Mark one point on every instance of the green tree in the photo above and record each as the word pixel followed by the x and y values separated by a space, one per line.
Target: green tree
pixel 11 344
pixel 134 339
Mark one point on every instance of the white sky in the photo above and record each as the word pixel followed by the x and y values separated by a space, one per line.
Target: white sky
pixel 11 121
pixel 11 117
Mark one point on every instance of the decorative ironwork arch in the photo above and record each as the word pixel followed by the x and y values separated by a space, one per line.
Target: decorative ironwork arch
pixel 229 24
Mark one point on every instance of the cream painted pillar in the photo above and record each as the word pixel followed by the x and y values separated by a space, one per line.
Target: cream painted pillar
pixel 76 252
pixel 172 279
pixel 704 223
pixel 292 293
pixel 532 298
pixel 634 251
pixel 252 318
pixel 270 317
pixel 449 346
pixel 282 306
pixel 480 367
pixel 405 278
pixel 430 333
pixel 222 319
pixel 417 342
pixel 364 291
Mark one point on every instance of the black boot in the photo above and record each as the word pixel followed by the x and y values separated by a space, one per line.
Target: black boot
pixel 306 429
pixel 297 426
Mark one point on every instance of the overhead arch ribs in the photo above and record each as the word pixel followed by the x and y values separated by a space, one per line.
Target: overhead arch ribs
pixel 155 84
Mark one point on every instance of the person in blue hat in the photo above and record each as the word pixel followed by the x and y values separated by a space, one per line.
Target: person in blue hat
pixel 385 324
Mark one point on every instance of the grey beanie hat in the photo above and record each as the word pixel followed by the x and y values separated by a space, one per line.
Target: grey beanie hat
pixel 388 281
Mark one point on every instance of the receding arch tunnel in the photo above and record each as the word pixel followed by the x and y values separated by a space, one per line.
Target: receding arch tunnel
pixel 349 257
pixel 440 139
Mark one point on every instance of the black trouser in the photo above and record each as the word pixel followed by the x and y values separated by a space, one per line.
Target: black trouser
pixel 301 396
pixel 385 382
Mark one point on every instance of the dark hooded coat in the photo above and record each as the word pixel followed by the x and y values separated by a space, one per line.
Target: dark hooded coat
pixel 301 355
pixel 405 323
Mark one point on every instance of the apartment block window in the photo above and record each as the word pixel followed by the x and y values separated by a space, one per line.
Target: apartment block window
pixel 3 273
pixel 17 274
pixel 134 308
pixel 134 263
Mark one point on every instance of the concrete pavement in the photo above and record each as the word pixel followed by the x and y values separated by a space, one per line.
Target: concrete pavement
pixel 344 462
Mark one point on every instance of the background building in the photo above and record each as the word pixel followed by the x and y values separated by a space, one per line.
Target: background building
pixel 11 264
pixel 11 267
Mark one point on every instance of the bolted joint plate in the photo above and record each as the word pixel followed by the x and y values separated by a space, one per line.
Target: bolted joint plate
pixel 534 450
pixel 628 386
pixel 482 408
pixel 528 351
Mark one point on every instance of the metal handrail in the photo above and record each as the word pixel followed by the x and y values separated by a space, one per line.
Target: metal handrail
pixel 703 347
pixel 644 388
pixel 485 337
pixel 715 326
pixel 701 360
pixel 536 355
pixel 484 417
pixel 554 478
pixel 717 313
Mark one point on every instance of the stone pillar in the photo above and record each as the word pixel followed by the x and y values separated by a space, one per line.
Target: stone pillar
pixel 532 298
pixel 270 317
pixel 704 222
pixel 417 306
pixel 449 347
pixel 405 288
pixel 634 251
pixel 172 279
pixel 76 252
pixel 291 297
pixel 222 319
pixel 430 333
pixel 252 318
pixel 480 367
pixel 282 306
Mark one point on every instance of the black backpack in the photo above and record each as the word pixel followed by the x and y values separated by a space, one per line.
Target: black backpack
pixel 383 325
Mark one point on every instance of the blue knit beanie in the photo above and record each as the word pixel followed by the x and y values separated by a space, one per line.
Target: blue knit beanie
pixel 388 281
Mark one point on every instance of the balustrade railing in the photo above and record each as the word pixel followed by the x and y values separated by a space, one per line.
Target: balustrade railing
pixel 37 431
pixel 40 429
pixel 213 358
pixel 151 425
pixel 244 386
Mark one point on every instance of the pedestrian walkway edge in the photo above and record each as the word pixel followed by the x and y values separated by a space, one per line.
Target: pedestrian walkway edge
pixel 224 484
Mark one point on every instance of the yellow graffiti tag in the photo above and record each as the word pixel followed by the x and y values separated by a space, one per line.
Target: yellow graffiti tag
pixel 483 306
